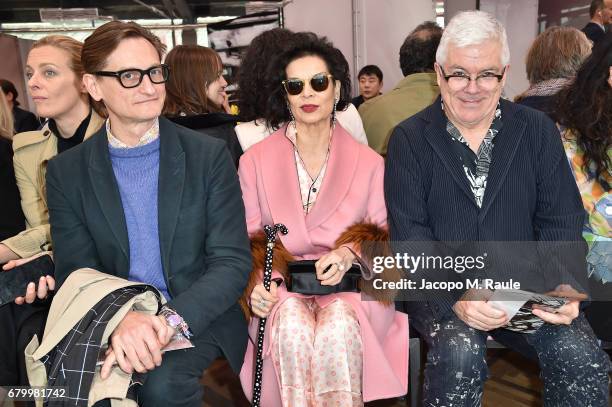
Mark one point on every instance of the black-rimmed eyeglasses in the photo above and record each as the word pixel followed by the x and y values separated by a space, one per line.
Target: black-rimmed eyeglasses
pixel 485 80
pixel 131 78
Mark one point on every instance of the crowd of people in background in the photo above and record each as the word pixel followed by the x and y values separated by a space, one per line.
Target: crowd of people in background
pixel 139 178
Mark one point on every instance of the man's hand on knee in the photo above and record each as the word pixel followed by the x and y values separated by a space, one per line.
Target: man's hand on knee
pixel 137 342
pixel 478 313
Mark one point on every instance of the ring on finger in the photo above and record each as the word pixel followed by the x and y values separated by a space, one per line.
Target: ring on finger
pixel 340 266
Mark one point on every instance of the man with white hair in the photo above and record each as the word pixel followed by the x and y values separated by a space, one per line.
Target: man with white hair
pixel 474 168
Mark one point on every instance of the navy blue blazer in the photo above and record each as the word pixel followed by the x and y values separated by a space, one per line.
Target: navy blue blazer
pixel 594 32
pixel 531 194
pixel 203 239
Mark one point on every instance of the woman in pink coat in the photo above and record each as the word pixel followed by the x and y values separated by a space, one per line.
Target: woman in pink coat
pixel 312 176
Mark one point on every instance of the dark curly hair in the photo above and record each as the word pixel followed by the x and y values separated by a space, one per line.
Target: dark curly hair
pixel 418 52
pixel 303 44
pixel 251 74
pixel 584 107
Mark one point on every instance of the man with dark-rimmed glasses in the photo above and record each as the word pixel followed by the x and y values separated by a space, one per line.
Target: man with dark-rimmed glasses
pixel 473 170
pixel 150 201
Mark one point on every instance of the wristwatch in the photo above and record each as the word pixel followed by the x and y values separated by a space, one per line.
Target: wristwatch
pixel 174 320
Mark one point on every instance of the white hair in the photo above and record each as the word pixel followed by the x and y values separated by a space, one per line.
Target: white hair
pixel 473 28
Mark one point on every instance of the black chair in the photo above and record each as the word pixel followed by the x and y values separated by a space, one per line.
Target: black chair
pixel 415 350
pixel 415 365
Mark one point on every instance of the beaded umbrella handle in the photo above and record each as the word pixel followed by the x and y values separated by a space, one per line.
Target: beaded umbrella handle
pixel 271 232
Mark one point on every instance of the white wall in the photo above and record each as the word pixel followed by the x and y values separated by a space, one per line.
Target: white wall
pixel 332 19
pixel 14 53
pixel 520 17
pixel 380 28
pixel 385 26
pixel 452 7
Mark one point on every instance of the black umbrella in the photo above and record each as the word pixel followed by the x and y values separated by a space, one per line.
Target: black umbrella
pixel 271 232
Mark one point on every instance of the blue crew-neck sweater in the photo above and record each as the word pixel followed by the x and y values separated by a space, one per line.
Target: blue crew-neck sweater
pixel 137 172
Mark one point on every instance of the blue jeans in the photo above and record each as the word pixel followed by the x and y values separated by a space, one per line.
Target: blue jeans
pixel 573 366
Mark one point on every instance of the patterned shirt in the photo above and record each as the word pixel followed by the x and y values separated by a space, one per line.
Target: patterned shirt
pixel 150 135
pixel 309 188
pixel 597 201
pixel 476 166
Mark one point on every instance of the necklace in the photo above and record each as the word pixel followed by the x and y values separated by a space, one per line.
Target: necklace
pixel 313 181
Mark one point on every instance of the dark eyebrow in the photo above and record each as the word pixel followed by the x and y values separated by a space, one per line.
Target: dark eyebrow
pixel 138 69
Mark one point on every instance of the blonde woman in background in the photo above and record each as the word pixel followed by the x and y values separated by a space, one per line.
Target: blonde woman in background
pixel 54 73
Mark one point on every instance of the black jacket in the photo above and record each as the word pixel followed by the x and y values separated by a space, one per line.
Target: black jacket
pixel 530 196
pixel 24 120
pixel 204 245
pixel 594 32
pixel 12 220
pixel 544 104
pixel 357 101
pixel 218 125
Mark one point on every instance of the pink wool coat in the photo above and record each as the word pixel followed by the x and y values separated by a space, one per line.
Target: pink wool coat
pixel 352 192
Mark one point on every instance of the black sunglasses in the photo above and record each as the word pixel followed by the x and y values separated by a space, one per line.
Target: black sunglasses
pixel 131 78
pixel 318 82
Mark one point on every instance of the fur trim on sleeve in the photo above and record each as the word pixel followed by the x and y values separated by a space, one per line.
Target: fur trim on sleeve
pixel 370 240
pixel 366 239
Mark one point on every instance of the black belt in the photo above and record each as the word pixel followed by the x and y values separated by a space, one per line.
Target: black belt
pixel 304 279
